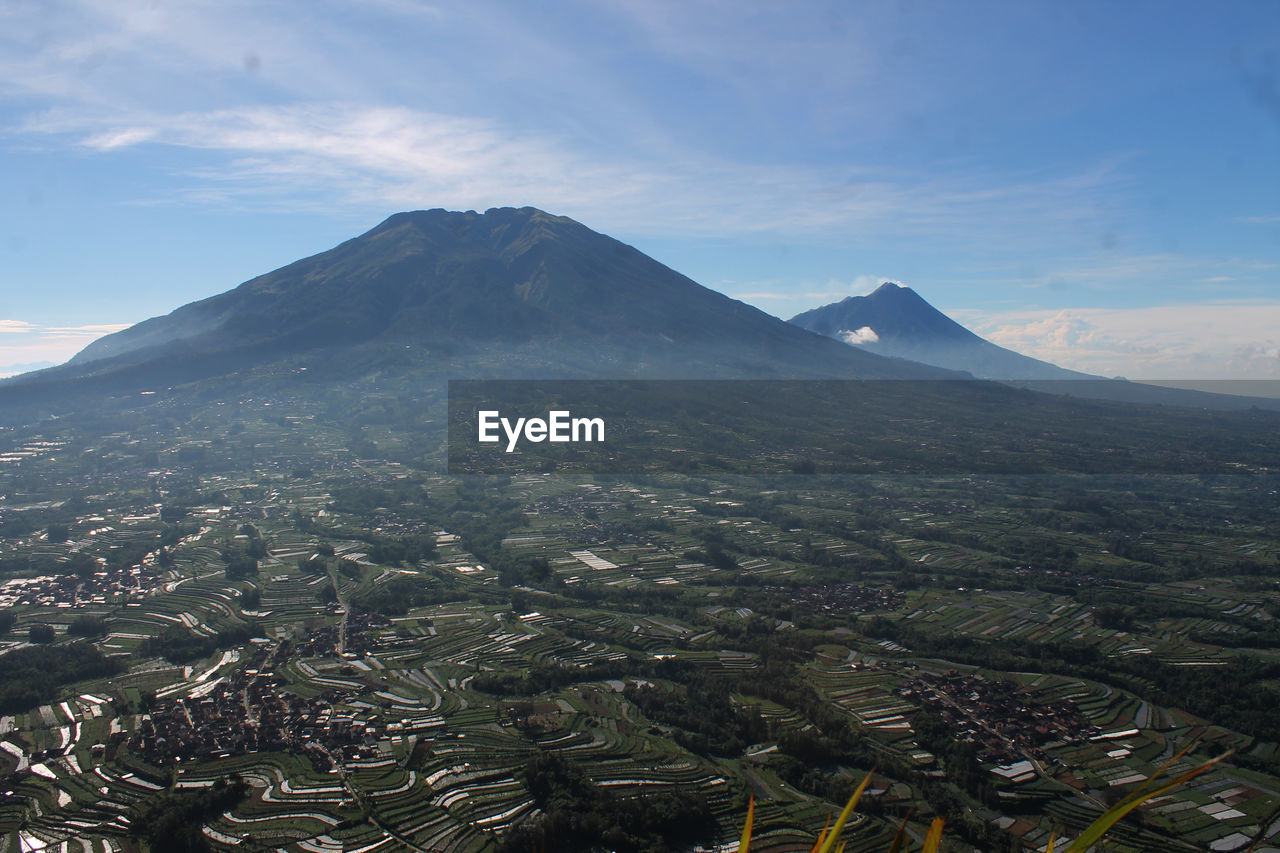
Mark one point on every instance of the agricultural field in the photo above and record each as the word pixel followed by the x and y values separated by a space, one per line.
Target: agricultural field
pixel 275 634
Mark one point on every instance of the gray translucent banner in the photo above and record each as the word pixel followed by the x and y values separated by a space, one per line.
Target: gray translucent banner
pixel 864 427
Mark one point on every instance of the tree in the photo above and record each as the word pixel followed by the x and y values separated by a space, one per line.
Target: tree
pixel 240 566
pixel 173 820
pixel 170 513
pixel 82 566
pixel 87 626
pixel 42 633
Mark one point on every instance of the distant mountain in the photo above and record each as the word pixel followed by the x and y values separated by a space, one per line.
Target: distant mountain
pixel 896 321
pixel 508 292
pixel 26 367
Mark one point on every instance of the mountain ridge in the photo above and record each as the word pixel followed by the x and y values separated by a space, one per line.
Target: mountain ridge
pixel 509 293
pixel 491 284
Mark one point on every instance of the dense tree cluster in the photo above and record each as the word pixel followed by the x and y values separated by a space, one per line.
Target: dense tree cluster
pixel 173 821
pixel 32 675
pixel 704 716
pixel 177 644
pixel 543 678
pixel 239 564
pixel 578 816
pixel 397 595
pixel 87 626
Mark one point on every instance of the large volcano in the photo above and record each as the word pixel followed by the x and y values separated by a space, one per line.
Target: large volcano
pixel 512 291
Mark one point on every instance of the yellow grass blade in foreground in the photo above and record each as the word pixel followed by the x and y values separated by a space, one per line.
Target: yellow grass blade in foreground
pixel 900 838
pixel 745 844
pixel 844 816
pixel 1099 827
pixel 822 836
pixel 933 840
pixel 1164 768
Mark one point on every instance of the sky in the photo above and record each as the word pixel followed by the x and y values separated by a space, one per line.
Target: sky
pixel 1092 183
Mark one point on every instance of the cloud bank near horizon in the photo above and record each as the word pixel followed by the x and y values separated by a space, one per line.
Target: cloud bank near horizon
pixel 1202 341
pixel 28 346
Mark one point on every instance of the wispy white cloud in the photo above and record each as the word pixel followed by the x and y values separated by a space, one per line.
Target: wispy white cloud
pixel 284 119
pixel 384 157
pixel 119 138
pixel 30 346
pixel 1203 341
pixel 16 327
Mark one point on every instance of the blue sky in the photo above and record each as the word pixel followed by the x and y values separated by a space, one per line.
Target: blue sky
pixel 1093 183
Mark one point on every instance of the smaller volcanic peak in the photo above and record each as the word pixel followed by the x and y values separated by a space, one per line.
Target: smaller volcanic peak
pixel 896 321
pixel 892 312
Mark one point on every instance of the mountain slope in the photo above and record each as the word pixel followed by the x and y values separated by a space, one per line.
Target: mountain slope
pixel 904 325
pixel 516 291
